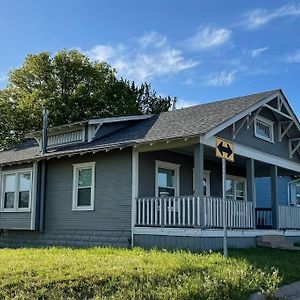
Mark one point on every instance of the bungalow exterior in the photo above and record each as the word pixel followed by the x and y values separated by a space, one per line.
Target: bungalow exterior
pixel 154 180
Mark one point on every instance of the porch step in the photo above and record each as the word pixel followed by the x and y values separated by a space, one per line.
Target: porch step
pixel 275 241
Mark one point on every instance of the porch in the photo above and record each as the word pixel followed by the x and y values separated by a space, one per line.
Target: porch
pixel 180 188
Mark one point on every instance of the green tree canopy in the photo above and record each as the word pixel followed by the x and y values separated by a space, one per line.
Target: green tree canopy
pixel 72 88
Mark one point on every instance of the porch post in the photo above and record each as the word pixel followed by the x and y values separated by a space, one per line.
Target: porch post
pixel 274 197
pixel 198 178
pixel 251 188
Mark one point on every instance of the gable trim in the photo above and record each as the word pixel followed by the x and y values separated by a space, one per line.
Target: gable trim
pixel 242 114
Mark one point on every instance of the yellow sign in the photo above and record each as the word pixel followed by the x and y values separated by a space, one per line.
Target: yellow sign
pixel 224 149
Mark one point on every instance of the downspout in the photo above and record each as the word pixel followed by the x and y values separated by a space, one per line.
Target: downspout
pixel 43 170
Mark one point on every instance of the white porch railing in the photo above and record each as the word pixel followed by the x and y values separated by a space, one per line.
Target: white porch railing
pixel 289 217
pixel 171 212
pixel 184 211
pixel 239 213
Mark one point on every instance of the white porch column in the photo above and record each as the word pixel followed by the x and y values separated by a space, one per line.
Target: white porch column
pixel 198 178
pixel 251 186
pixel 274 197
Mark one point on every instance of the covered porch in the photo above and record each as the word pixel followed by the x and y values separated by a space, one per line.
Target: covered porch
pixel 181 187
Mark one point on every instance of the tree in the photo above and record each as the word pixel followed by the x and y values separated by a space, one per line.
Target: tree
pixel 72 88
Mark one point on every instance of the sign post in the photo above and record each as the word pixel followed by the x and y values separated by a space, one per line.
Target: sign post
pixel 225 151
pixel 225 249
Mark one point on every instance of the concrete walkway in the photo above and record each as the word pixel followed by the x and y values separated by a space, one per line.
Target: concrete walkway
pixel 286 292
pixel 290 292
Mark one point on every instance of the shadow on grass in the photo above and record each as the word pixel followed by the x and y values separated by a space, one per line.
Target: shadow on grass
pixel 287 262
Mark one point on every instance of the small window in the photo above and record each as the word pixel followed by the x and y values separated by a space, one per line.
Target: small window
pixel 167 179
pixel 17 190
pixel 264 129
pixel 83 186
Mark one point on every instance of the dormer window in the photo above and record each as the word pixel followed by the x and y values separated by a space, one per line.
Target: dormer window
pixel 263 129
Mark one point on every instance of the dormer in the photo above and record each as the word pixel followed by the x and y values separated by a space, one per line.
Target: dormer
pixel 65 135
pixel 85 131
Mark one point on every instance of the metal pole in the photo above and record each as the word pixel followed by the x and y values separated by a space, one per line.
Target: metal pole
pixel 45 131
pixel 224 207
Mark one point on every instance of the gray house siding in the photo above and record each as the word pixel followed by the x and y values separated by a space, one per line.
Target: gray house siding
pixel 192 243
pixel 247 138
pixel 112 193
pixel 15 220
pixel 109 223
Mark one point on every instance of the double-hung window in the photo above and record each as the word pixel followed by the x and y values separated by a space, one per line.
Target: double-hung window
pixel 16 190
pixel 167 179
pixel 83 186
pixel 263 129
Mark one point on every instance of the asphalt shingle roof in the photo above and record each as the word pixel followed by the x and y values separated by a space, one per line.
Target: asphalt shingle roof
pixel 185 122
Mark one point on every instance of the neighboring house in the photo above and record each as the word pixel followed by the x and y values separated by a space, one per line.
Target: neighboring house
pixel 154 181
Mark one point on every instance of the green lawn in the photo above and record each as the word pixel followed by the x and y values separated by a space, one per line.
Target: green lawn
pixel 105 273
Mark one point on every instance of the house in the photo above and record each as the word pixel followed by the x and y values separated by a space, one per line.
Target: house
pixel 155 180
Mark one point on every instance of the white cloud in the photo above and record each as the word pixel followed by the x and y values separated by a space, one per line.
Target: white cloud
pixel 259 17
pixel 208 37
pixel 152 39
pixel 104 52
pixel 294 57
pixel 150 57
pixel 258 52
pixel 181 103
pixel 222 78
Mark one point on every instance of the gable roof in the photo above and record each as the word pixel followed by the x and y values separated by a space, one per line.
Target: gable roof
pixel 186 122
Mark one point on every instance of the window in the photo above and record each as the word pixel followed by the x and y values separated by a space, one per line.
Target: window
pixel 83 186
pixel 167 179
pixel 294 192
pixel 236 188
pixel 17 187
pixel 263 129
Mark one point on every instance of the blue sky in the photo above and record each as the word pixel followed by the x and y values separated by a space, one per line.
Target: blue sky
pixel 195 50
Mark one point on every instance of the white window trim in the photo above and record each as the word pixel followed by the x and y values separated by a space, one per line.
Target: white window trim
pixel 75 207
pixel 206 176
pixel 238 178
pixel 16 202
pixel 296 182
pixel 169 166
pixel 267 122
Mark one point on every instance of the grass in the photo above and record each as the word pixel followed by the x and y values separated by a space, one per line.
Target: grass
pixel 106 273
